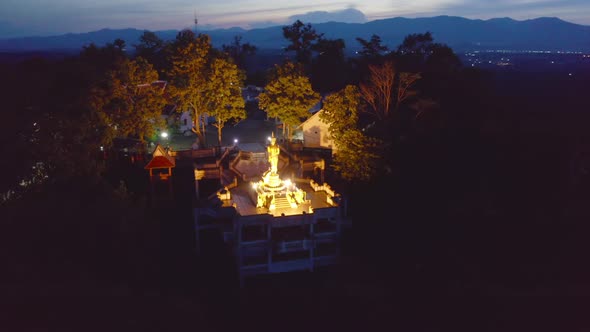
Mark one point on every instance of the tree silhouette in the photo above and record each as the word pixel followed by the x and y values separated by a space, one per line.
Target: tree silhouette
pixel 303 39
pixel 239 51
pixel 371 49
pixel 329 70
pixel 151 47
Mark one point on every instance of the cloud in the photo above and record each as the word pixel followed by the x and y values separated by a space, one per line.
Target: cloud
pixel 350 15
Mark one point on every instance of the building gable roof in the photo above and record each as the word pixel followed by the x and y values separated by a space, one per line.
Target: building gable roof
pixel 310 119
pixel 161 159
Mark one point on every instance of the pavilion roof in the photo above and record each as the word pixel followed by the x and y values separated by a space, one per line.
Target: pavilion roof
pixel 161 159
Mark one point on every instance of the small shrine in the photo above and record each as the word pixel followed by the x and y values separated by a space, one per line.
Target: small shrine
pixel 160 169
pixel 161 164
pixel 273 191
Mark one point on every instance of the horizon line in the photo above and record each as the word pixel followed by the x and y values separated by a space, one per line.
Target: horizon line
pixel 213 28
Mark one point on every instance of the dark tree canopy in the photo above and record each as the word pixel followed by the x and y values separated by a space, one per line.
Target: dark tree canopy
pixel 303 39
pixel 330 68
pixel 373 48
pixel 239 51
pixel 152 48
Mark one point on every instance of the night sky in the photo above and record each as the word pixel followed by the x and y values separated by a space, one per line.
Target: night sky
pixel 50 17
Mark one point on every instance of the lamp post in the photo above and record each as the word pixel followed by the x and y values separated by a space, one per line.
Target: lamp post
pixel 164 136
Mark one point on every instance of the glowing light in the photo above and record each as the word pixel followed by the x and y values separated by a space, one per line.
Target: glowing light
pixel 164 134
pixel 268 138
pixel 254 185
pixel 288 182
pixel 235 141
pixel 102 148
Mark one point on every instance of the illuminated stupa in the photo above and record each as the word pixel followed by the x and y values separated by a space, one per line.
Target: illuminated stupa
pixel 273 192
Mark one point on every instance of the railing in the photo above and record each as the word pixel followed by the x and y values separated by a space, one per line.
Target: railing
pixel 223 155
pixel 200 153
pixel 245 155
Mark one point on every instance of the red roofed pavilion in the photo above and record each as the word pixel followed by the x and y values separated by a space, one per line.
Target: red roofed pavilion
pixel 161 164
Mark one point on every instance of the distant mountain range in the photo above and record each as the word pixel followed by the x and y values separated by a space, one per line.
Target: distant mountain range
pixel 462 34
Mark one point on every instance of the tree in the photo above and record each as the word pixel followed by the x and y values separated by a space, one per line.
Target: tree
pixel 97 61
pixel 151 47
pixel 419 53
pixel 442 59
pixel 329 68
pixel 133 105
pixel 238 51
pixel 302 38
pixel 385 90
pixel 418 44
pixel 288 96
pixel 377 91
pixel 223 94
pixel 371 49
pixel 356 157
pixel 119 44
pixel 187 74
pixel 404 87
pixel 54 131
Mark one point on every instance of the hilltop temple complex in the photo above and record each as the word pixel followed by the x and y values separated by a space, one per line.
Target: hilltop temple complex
pixel 275 221
pixel 271 208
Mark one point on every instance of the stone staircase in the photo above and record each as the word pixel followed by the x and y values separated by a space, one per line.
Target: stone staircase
pixel 282 203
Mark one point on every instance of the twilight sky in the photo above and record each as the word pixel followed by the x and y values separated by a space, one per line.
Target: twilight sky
pixel 50 17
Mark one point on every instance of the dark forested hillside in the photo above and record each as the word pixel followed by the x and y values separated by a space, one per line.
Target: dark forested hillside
pixel 543 33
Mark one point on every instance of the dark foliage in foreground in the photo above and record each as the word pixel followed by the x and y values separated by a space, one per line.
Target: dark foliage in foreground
pixel 490 206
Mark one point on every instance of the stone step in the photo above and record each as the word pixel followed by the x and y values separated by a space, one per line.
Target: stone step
pixel 282 203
